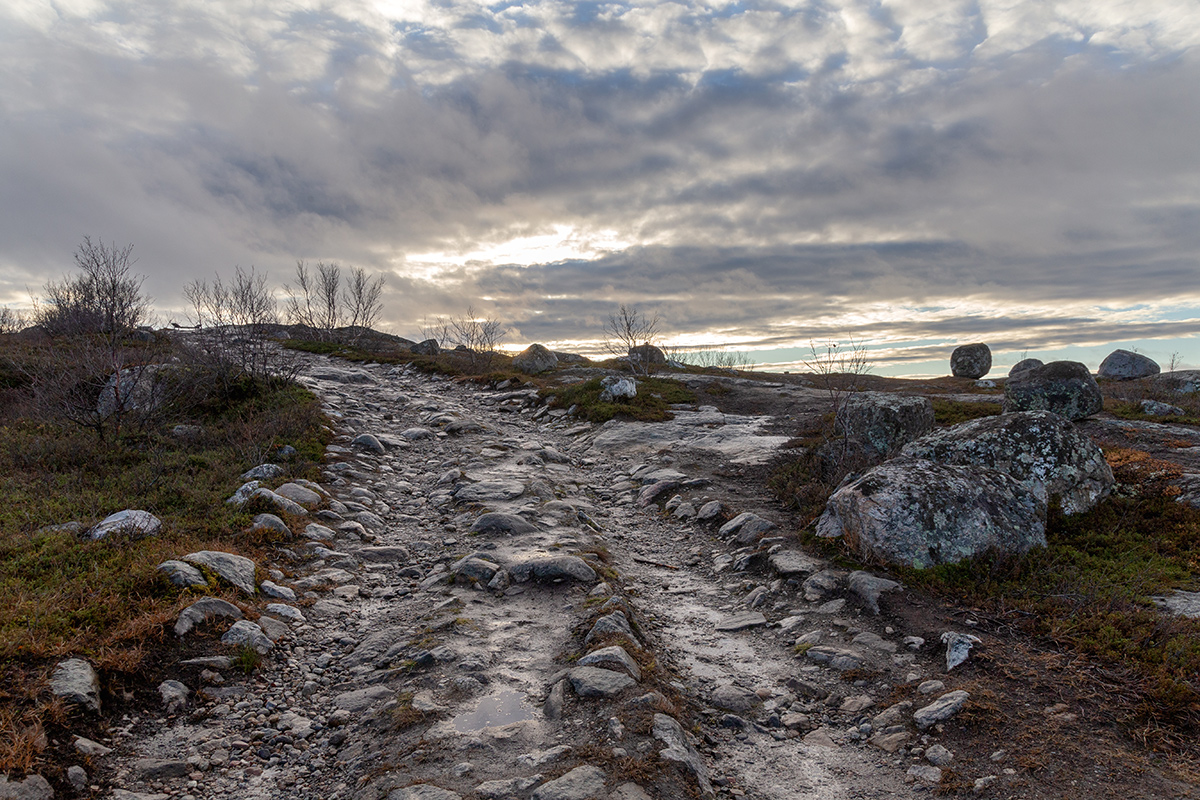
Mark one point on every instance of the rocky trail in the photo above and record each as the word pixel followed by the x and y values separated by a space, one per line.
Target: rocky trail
pixel 494 600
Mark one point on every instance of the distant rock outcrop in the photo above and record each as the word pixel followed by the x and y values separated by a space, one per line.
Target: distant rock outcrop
pixel 1125 365
pixel 534 359
pixel 971 360
pixel 1064 387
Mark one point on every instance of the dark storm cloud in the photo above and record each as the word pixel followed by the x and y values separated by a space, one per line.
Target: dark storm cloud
pixel 761 170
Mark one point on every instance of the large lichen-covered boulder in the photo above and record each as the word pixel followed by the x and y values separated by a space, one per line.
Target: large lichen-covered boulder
pixel 1125 365
pixel 534 359
pixel 971 360
pixel 919 513
pixel 1064 387
pixel 1041 449
pixel 885 422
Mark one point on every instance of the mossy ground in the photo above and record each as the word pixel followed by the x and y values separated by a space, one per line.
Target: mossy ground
pixel 104 600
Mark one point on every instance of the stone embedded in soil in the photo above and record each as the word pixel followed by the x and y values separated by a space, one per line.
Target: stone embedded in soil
pixel 615 655
pixel 182 574
pixel 383 554
pixel 868 588
pixel 741 622
pixel 301 495
pixel 581 783
pixel 552 568
pixel 614 623
pixel 76 682
pixel 734 698
pixel 497 522
pixel 246 634
pixel 504 789
pixel 839 658
pixel 271 589
pixel 475 568
pixel 746 528
pixel 204 610
pixel 130 523
pixel 789 563
pixel 277 500
pixel 680 750
pixel 232 568
pixel 926 774
pixel 422 791
pixel 941 709
pixel 597 682
pixel 486 491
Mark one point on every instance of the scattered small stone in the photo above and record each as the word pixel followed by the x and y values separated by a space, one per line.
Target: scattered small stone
pixel 941 709
pixel 958 647
pixel 741 622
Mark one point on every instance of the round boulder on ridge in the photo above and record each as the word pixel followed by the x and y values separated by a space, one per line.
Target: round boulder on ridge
pixel 1125 365
pixel 1064 387
pixel 1024 365
pixel 971 360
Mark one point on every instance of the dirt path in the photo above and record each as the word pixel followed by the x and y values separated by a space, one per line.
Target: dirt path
pixel 444 650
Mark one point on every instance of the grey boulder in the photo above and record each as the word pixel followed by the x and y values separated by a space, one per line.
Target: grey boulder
pixel 1042 450
pixel 885 422
pixel 301 495
pixel 918 513
pixel 1125 365
pixel 614 388
pixel 130 523
pixel 746 528
pixel 598 682
pixel 971 360
pixel 1064 387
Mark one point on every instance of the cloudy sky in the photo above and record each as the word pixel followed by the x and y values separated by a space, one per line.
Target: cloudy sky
pixel 915 173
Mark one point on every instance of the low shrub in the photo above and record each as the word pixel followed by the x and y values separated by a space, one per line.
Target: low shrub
pixel 652 403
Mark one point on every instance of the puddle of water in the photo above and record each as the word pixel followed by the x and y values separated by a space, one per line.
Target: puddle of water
pixel 501 708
